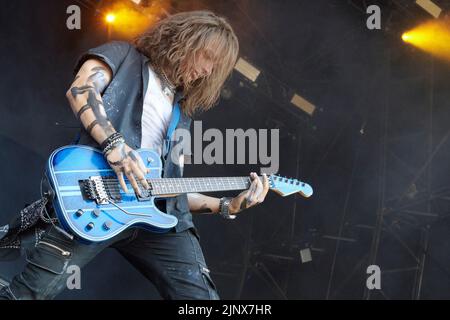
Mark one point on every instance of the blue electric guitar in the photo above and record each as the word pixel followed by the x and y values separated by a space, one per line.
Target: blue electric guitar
pixel 90 204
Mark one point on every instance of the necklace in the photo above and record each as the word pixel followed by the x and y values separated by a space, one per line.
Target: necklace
pixel 167 87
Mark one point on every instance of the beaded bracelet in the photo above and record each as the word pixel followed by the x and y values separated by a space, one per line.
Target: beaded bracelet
pixel 111 142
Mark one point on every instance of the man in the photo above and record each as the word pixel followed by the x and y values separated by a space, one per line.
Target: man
pixel 123 95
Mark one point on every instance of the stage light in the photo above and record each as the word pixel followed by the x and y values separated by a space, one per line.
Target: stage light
pixel 110 18
pixel 430 7
pixel 406 37
pixel 432 36
pixel 246 69
pixel 303 104
pixel 130 19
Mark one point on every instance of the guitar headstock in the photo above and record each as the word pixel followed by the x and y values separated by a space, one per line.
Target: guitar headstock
pixel 287 186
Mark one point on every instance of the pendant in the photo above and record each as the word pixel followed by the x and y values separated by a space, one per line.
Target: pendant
pixel 167 91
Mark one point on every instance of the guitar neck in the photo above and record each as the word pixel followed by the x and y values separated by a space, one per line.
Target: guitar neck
pixel 168 186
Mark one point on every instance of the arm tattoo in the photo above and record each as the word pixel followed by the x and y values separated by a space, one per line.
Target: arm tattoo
pixel 98 78
pixel 80 90
pixel 99 81
pixel 123 156
pixel 100 114
pixel 82 110
pixel 132 155
pixel 116 163
pixel 203 209
pixel 91 126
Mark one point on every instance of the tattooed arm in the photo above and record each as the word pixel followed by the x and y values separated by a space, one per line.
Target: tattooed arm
pixel 85 98
pixel 86 102
pixel 199 203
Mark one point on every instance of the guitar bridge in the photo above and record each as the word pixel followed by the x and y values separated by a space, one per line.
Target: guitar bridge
pixel 100 189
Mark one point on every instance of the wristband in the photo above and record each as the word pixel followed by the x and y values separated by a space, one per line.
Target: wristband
pixel 111 142
pixel 224 208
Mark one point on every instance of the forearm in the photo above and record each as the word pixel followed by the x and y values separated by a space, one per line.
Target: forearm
pixel 201 204
pixel 86 101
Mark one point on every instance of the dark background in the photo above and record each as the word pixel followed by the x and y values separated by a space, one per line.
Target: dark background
pixel 375 151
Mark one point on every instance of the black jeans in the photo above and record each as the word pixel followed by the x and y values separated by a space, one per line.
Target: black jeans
pixel 173 262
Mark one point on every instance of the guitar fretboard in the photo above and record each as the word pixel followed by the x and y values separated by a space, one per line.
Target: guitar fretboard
pixel 168 186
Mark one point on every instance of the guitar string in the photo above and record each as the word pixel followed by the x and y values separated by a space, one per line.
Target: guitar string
pixel 236 184
pixel 203 188
pixel 114 182
pixel 157 191
pixel 165 192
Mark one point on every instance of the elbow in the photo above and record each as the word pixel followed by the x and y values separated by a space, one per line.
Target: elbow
pixel 69 94
pixel 70 98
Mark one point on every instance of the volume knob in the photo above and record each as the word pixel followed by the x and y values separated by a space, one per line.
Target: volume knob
pixel 107 225
pixel 79 213
pixel 96 213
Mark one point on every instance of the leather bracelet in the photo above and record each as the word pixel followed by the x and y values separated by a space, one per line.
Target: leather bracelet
pixel 224 208
pixel 108 140
pixel 113 141
pixel 113 145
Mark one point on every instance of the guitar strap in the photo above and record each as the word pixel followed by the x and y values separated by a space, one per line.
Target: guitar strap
pixel 175 119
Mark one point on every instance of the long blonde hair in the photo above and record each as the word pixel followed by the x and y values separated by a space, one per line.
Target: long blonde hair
pixel 179 38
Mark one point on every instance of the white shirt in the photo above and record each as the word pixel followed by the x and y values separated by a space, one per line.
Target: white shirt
pixel 156 114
